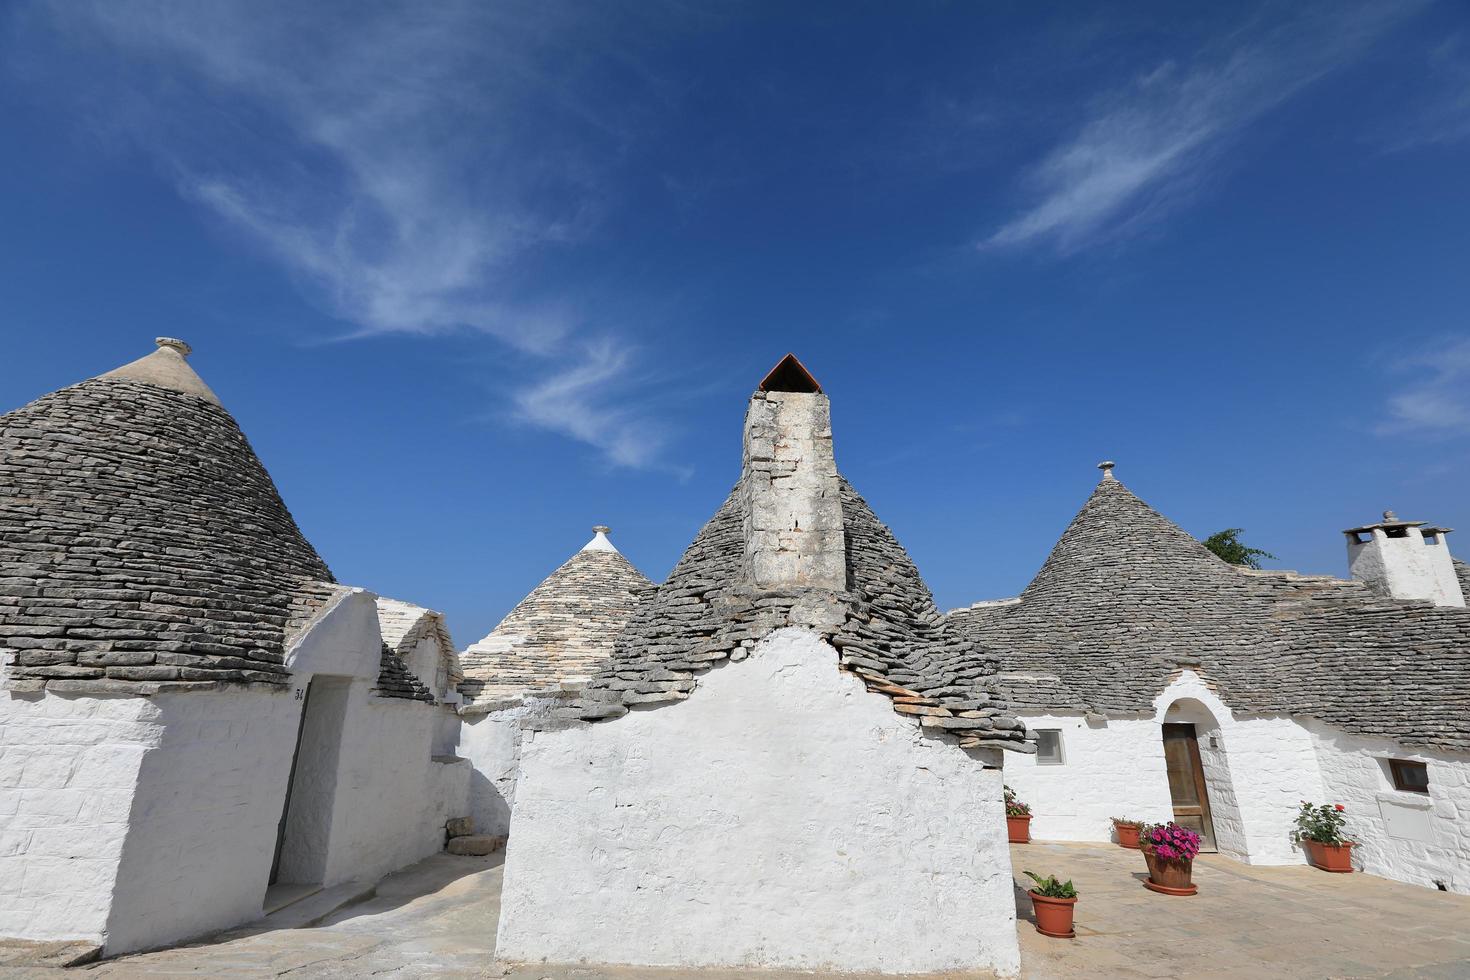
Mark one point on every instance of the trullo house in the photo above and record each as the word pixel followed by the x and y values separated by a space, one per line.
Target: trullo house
pixel 790 761
pixel 196 721
pixel 541 653
pixel 1162 683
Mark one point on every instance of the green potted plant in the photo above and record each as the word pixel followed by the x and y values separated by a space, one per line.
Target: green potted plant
pixel 1320 828
pixel 1054 902
pixel 1018 819
pixel 1169 850
pixel 1127 831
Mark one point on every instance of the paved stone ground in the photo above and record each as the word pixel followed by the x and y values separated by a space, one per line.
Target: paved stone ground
pixel 438 919
pixel 1245 923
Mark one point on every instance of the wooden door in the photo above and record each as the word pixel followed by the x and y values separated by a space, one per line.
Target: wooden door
pixel 1187 782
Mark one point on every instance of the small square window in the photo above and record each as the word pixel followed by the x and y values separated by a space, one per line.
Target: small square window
pixel 1411 777
pixel 1049 747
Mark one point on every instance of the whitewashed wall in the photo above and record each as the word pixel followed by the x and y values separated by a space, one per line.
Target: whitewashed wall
pixel 1258 769
pixel 1112 768
pixel 491 741
pixel 203 825
pixel 385 813
pixel 388 800
pixel 68 768
pixel 1424 840
pixel 138 822
pixel 782 816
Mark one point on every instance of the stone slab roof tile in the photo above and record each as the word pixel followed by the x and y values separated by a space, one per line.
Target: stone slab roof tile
pixel 395 680
pixel 141 539
pixel 1126 599
pixel 404 624
pixel 562 632
pixel 886 629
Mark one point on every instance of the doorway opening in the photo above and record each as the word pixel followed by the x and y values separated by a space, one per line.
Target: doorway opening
pixel 1187 789
pixel 299 864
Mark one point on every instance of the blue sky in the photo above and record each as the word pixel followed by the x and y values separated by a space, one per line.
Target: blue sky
pixel 476 276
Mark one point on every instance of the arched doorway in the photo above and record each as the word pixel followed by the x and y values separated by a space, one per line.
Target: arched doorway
pixel 1188 791
pixel 1199 777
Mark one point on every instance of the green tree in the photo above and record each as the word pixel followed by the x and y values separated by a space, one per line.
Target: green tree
pixel 1228 546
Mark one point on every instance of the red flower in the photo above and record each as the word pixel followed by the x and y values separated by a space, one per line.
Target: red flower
pixel 1339 807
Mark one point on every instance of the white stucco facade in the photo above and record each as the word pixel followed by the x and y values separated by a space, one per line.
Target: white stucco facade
pixel 1112 767
pixel 782 816
pixel 1421 838
pixel 491 742
pixel 1258 769
pixel 139 821
pixel 68 772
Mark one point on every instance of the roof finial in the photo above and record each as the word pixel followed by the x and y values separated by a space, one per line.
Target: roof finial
pixel 175 343
pixel 1389 517
pixel 1107 467
pixel 599 540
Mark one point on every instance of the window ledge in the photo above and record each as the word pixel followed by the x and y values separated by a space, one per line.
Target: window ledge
pixel 1419 801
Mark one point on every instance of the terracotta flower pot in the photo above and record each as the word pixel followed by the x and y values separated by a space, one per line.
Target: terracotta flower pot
pixel 1127 834
pixel 1169 876
pixel 1337 858
pixel 1019 829
pixel 1053 915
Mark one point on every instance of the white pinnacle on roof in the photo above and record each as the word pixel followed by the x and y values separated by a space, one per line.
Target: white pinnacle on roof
pixel 563 630
pixel 600 540
pixel 167 367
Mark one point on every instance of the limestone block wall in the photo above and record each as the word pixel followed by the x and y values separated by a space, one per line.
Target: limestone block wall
pixel 782 816
pixel 1112 768
pixel 203 824
pixel 68 769
pixel 1413 837
pixel 793 519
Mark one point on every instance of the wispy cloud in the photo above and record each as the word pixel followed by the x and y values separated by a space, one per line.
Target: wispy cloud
pixel 1144 148
pixel 1437 401
pixel 1443 116
pixel 586 400
pixel 412 166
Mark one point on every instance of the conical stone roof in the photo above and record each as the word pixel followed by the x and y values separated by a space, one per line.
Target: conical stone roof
pixel 795 545
pixel 563 631
pixel 1127 600
pixel 141 540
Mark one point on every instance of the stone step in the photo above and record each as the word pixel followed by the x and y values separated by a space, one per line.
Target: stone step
pixel 476 845
pixel 313 909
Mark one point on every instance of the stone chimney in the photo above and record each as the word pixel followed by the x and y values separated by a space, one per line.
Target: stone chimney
pixel 1404 560
pixel 794 535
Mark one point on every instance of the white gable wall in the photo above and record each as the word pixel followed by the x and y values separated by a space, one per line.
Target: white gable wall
pixel 389 800
pixel 779 817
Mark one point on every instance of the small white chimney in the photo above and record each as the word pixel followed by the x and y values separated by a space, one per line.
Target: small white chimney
pixel 794 537
pixel 1404 560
